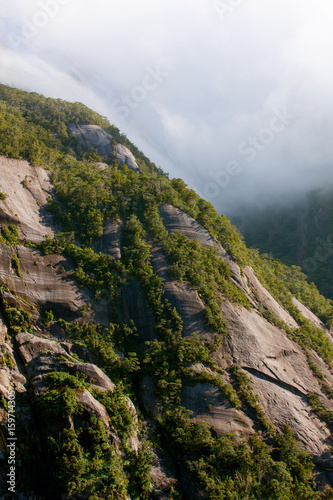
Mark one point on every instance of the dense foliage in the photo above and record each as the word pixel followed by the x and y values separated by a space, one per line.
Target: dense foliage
pixel 81 461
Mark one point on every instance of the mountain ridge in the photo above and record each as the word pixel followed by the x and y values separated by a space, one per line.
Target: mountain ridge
pixel 175 363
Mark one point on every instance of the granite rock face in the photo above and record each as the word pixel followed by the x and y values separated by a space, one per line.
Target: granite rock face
pixel 126 157
pixel 277 366
pixel 27 189
pixel 93 136
pixel 42 280
pixel 181 296
pixel 44 355
pixel 208 405
pixel 10 375
pixel 111 240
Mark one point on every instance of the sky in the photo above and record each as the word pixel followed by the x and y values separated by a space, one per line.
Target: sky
pixel 233 96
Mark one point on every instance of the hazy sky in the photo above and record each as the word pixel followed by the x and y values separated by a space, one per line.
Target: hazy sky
pixel 234 96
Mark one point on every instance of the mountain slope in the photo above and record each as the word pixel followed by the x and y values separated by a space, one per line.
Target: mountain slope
pixel 152 354
pixel 300 234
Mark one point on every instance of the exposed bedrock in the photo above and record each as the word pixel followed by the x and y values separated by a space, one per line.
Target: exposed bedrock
pixel 280 376
pixel 27 189
pixel 93 136
pixel 41 280
pixel 110 242
pixel 208 405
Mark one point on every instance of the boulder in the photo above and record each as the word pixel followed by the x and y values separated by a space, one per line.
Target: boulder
pixel 93 136
pixel 92 406
pixel 30 347
pixel 126 157
pixel 95 376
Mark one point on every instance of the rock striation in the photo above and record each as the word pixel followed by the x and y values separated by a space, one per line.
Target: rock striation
pixel 277 366
pixel 27 189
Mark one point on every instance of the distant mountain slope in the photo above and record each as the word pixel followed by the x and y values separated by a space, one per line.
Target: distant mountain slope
pixel 151 354
pixel 300 234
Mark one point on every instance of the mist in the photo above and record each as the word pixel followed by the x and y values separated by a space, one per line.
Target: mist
pixel 233 96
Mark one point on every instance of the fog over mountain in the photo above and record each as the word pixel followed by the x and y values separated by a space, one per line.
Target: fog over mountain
pixel 233 96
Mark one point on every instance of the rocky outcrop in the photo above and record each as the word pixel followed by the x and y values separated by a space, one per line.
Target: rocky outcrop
pixel 94 376
pixel 308 314
pixel 208 405
pixel 42 280
pixel 278 367
pixel 93 407
pixel 45 354
pixel 93 136
pixel 10 375
pixel 162 475
pixel 30 347
pixel 285 407
pixel 126 157
pixel 111 239
pixel 280 375
pixel 89 136
pixel 181 296
pixel 257 344
pixel 175 220
pixel 27 189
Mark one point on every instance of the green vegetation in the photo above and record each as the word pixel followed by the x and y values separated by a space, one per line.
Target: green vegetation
pixel 47 318
pixel 82 458
pixel 226 468
pixel 246 390
pixel 3 196
pixel 319 408
pixel 16 265
pixel 5 359
pixel 36 127
pixel 9 235
pixel 77 455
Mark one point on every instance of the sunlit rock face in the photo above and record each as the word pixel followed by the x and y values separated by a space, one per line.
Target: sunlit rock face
pixel 277 366
pixel 27 189
pixel 93 136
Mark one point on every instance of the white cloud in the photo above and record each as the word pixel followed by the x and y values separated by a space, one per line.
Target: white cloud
pixel 226 78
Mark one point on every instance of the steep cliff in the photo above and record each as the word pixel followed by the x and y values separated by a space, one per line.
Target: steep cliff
pixel 151 354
